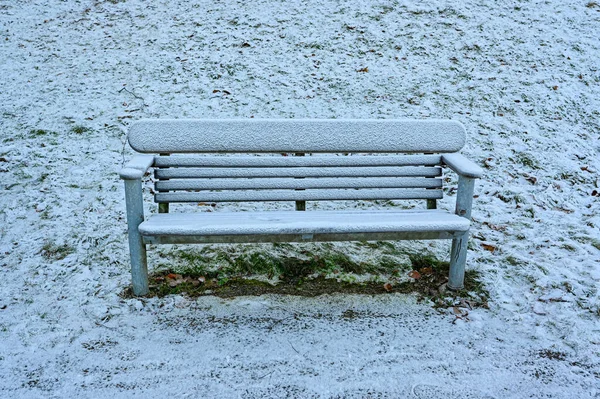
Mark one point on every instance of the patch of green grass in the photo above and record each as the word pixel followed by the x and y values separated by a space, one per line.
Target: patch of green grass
pixel 314 46
pixel 572 178
pixel 80 129
pixel 45 214
pixel 41 132
pixel 420 261
pixel 51 251
pixel 309 272
pixel 295 266
pixel 551 354
pixel 569 247
pixel 525 160
pixel 511 260
pixel 43 177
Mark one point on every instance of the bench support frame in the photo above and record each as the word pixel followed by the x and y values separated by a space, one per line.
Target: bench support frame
pixel 137 248
pixel 458 254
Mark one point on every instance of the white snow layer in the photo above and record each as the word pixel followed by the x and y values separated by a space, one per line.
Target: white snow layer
pixel 292 222
pixel 292 135
pixel 521 76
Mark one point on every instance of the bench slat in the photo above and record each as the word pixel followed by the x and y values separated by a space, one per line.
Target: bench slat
pixel 287 183
pixel 319 237
pixel 311 222
pixel 290 161
pixel 391 171
pixel 296 135
pixel 306 195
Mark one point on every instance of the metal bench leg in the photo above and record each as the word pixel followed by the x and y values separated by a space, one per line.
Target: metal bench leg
pixel 458 255
pixel 137 249
pixel 458 258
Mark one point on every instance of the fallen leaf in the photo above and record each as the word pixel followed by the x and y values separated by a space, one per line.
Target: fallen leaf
pixel 531 179
pixel 464 303
pixel 365 69
pixel 387 287
pixel 414 274
pixel 202 279
pixel 565 210
pixel 554 87
pixel 494 227
pixel 216 91
pixel 426 271
pixel 489 247
pixel 173 276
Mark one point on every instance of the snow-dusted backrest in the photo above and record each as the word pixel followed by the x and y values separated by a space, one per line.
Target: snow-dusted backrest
pixel 294 135
pixel 368 160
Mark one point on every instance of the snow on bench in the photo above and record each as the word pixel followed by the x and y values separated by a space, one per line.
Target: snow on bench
pixel 343 160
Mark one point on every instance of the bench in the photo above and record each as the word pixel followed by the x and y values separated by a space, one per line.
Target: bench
pixel 210 161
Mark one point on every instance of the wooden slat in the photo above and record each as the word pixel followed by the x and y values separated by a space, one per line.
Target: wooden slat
pixel 290 161
pixel 290 183
pixel 296 135
pixel 306 195
pixel 395 171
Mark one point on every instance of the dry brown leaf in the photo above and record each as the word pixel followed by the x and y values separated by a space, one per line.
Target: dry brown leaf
pixel 387 287
pixel 175 283
pixel 426 271
pixel 494 227
pixel 194 282
pixel 489 247
pixel 531 179
pixel 414 274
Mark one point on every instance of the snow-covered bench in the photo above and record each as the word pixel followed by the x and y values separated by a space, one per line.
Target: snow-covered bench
pixel 203 161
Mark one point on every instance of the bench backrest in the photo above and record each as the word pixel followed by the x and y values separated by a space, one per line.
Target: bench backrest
pixel 368 159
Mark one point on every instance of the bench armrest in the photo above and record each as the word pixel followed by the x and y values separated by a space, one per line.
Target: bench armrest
pixel 462 166
pixel 137 167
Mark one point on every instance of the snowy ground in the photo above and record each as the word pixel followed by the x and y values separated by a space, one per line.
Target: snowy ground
pixel 522 76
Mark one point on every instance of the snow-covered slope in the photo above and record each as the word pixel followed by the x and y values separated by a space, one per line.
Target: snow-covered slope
pixel 522 76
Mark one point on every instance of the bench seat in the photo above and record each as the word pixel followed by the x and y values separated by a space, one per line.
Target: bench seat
pixel 291 226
